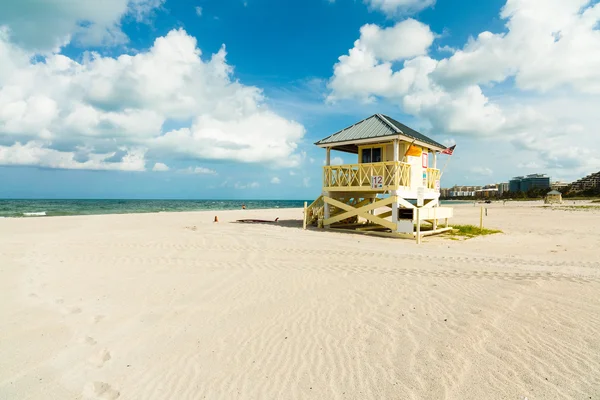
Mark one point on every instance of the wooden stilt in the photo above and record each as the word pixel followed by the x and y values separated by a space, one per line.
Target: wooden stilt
pixel 481 219
pixel 305 215
pixel 418 226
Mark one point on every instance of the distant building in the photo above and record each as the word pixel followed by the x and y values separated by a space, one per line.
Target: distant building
pixel 502 187
pixel 589 182
pixel 559 185
pixel 514 185
pixel 486 193
pixel 526 183
pixel 460 191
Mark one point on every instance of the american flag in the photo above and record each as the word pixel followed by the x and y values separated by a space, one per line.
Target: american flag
pixel 449 150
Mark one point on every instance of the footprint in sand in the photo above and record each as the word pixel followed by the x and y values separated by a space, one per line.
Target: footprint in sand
pixel 87 340
pixel 98 359
pixel 71 310
pixel 97 318
pixel 99 391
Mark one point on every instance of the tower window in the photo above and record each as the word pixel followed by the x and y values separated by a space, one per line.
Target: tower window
pixel 371 155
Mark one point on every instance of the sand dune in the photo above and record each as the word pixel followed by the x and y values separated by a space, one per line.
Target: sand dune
pixel 174 306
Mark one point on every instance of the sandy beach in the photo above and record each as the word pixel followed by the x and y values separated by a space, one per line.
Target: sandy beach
pixel 174 306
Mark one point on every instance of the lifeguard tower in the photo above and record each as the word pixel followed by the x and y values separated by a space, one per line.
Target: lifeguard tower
pixel 394 187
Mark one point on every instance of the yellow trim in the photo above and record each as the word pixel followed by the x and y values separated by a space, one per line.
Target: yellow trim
pixel 432 175
pixel 363 212
pixel 357 177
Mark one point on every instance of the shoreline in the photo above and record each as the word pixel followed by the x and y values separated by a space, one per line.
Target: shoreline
pixel 40 213
pixel 57 208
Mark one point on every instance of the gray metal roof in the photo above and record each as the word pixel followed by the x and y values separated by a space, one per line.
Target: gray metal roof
pixel 376 126
pixel 554 192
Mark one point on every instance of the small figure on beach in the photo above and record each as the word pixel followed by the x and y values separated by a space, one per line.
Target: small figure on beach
pixel 243 206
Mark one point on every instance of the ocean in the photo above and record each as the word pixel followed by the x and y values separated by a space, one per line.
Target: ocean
pixel 52 208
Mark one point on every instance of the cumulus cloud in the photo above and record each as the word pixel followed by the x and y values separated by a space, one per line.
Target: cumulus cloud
pixel 395 7
pixel 106 103
pixel 484 171
pixel 198 171
pixel 38 154
pixel 46 25
pixel 251 185
pixel 367 69
pixel 198 11
pixel 275 180
pixel 337 161
pixel 160 167
pixel 551 50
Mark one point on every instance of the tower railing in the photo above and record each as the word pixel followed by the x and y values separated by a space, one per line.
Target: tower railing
pixel 433 175
pixel 388 175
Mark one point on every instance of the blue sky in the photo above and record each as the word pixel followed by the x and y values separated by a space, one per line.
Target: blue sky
pixel 224 99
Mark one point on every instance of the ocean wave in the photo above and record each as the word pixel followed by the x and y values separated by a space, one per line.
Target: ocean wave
pixel 35 214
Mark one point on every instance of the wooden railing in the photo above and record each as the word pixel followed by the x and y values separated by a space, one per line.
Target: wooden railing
pixel 315 211
pixel 392 175
pixel 432 176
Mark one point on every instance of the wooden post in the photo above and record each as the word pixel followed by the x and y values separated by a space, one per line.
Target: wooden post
pixel 481 219
pixel 326 205
pixel 418 226
pixel 395 214
pixel 305 215
pixel 326 213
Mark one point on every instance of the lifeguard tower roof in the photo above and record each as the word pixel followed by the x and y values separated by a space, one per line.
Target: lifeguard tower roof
pixel 371 129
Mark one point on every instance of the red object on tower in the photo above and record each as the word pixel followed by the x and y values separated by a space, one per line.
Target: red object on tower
pixel 449 150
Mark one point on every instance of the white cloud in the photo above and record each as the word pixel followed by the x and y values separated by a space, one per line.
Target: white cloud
pixel 160 167
pixel 549 45
pixel 447 49
pixel 484 171
pixel 551 49
pixel 337 161
pixel 306 182
pixel 257 137
pixel 38 154
pixel 46 25
pixel 395 7
pixel 275 180
pixel 251 185
pixel 198 171
pixel 449 142
pixel 367 69
pixel 198 11
pixel 529 165
pixel 104 104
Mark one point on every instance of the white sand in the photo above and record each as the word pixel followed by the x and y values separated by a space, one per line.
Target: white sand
pixel 173 306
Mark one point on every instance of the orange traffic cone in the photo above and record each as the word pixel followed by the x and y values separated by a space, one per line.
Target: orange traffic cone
pixel 216 219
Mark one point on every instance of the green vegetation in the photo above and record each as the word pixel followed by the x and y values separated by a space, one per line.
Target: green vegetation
pixel 577 208
pixel 536 194
pixel 470 231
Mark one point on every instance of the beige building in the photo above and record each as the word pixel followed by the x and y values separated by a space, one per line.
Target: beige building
pixel 589 182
